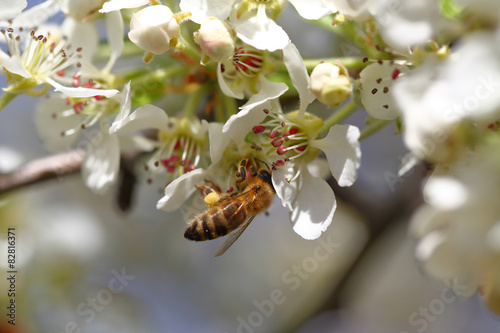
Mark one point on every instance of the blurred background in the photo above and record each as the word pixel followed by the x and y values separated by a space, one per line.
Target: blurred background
pixel 85 266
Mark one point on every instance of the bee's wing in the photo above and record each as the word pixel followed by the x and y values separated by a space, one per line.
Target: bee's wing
pixel 233 236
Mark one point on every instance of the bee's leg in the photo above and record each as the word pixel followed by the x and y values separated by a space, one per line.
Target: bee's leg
pixel 214 187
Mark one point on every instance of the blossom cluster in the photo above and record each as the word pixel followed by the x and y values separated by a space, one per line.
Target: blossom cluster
pixel 430 67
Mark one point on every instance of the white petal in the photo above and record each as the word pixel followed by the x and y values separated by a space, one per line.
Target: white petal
pixel 82 34
pixel 445 193
pixel 408 162
pixel 298 73
pixel 286 191
pixel 313 10
pixel 313 207
pixel 268 90
pixel 50 128
pixel 341 147
pixel 101 164
pixel 218 142
pixel 228 89
pixel 121 4
pixel 10 9
pixel 115 29
pixel 178 191
pixel 36 15
pixel 146 116
pixel 125 101
pixel 13 65
pixel 376 89
pixel 81 92
pixel 202 10
pixel 134 143
pixel 239 125
pixel 261 32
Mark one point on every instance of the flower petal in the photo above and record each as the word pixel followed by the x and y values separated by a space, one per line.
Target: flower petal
pixel 82 34
pixel 228 90
pixel 81 92
pixel 218 142
pixel 239 125
pixel 146 116
pixel 180 190
pixel 313 10
pixel 10 9
pixel 286 191
pixel 50 127
pixel 36 15
pixel 13 65
pixel 268 90
pixel 261 32
pixel 202 10
pixel 298 73
pixel 121 4
pixel 445 193
pixel 134 143
pixel 101 163
pixel 314 206
pixel 115 29
pixel 341 147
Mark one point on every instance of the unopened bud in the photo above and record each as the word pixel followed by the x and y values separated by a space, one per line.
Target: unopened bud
pixel 153 28
pixel 80 9
pixel 216 39
pixel 330 84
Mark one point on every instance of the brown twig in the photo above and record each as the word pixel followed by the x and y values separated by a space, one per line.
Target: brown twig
pixel 56 166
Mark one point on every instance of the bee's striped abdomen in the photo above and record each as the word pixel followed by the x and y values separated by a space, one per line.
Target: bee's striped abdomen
pixel 218 221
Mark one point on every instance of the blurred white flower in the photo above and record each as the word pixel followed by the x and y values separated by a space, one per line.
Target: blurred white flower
pixel 113 5
pixel 10 9
pixel 81 9
pixel 439 96
pixel 154 29
pixel 458 226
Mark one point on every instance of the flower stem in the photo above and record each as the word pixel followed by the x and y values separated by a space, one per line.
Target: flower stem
pixel 338 116
pixel 373 128
pixel 6 98
pixel 193 101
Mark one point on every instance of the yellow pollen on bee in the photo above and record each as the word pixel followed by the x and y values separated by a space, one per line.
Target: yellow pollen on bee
pixel 211 198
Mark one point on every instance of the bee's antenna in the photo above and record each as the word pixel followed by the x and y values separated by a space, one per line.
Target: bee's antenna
pixel 264 163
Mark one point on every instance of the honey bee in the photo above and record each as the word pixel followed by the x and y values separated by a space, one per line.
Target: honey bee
pixel 232 213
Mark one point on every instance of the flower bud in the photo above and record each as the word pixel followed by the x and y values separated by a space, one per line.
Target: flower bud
pixel 153 28
pixel 81 9
pixel 216 39
pixel 330 84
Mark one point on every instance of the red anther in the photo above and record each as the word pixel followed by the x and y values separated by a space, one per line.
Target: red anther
pixel 273 133
pixel 189 168
pixel 177 145
pixel 301 148
pixel 76 83
pixel 293 131
pixel 77 76
pixel 277 142
pixel 78 107
pixel 395 73
pixel 287 159
pixel 282 150
pixel 171 168
pixel 282 124
pixel 99 97
pixel 170 160
pixel 286 138
pixel 68 101
pixel 279 163
pixel 230 190
pixel 61 72
pixel 259 129
pixel 266 111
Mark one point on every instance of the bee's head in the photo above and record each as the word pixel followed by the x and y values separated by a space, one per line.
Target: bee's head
pixel 266 176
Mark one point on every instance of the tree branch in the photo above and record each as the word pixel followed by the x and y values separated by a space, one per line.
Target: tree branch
pixel 56 166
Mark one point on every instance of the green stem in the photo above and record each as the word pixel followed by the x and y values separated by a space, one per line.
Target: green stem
pixel 373 128
pixel 229 105
pixel 193 101
pixel 338 116
pixel 6 98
